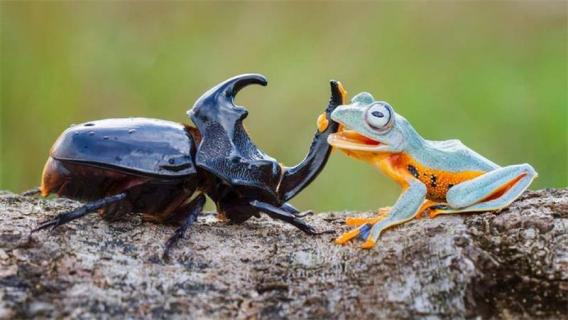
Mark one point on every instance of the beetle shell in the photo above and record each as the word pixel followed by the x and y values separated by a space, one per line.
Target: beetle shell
pixel 149 146
pixel 149 159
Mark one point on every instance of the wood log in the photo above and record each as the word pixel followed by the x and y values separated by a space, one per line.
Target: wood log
pixel 507 265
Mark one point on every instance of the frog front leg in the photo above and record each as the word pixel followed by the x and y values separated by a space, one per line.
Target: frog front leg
pixel 405 208
pixel 491 191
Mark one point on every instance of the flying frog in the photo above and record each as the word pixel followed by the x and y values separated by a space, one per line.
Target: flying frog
pixel 437 177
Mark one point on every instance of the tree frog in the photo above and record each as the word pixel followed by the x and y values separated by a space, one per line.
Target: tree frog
pixel 437 177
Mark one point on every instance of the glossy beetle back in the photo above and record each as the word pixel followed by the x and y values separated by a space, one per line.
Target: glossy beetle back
pixel 147 146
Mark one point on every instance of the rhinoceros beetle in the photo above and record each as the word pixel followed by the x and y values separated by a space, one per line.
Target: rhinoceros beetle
pixel 164 169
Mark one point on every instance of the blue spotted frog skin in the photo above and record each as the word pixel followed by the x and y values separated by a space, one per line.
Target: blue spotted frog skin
pixel 438 177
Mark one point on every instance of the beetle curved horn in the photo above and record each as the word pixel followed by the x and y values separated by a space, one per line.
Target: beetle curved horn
pixel 231 87
pixel 228 89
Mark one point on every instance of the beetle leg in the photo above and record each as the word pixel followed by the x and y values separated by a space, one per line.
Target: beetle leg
pixel 304 214
pixel 295 179
pixel 188 217
pixel 291 209
pixel 278 213
pixel 30 193
pixel 65 217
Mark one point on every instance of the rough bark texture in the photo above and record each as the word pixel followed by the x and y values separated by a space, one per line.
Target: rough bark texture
pixel 508 265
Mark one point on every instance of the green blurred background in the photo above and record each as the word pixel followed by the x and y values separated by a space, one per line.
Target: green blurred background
pixel 493 74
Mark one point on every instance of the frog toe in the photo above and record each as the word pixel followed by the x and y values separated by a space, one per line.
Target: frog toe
pixel 358 221
pixel 434 213
pixel 369 244
pixel 345 237
pixel 437 210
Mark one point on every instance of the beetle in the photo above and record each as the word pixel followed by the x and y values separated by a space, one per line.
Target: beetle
pixel 164 169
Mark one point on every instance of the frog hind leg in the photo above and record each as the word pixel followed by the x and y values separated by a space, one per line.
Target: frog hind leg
pixel 494 190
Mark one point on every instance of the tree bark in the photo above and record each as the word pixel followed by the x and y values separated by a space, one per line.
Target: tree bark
pixel 512 264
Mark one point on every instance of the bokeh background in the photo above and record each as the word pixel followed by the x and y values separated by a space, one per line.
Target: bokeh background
pixel 493 74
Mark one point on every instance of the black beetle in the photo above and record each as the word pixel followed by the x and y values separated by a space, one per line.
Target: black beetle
pixel 155 166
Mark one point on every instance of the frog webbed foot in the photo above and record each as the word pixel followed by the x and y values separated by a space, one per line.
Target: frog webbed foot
pixel 369 229
pixel 363 224
pixel 361 232
pixel 439 209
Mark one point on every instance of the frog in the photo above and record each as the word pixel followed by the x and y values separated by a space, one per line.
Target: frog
pixel 436 177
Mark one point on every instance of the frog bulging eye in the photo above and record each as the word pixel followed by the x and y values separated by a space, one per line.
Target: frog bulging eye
pixel 379 116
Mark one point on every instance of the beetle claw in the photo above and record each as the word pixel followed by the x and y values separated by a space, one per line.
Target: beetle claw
pixel 192 210
pixel 310 230
pixel 304 214
pixel 53 223
pixel 324 232
pixel 170 243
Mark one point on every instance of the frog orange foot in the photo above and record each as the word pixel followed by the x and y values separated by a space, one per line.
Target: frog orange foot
pixel 345 237
pixel 357 221
pixel 437 210
pixel 369 244
pixel 361 231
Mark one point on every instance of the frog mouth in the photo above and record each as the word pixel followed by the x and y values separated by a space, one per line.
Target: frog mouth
pixel 352 140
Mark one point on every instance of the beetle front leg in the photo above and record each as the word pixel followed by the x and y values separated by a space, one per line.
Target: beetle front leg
pixel 291 209
pixel 296 178
pixel 280 214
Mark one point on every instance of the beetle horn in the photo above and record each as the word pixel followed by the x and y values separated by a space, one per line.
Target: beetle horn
pixel 227 90
pixel 231 87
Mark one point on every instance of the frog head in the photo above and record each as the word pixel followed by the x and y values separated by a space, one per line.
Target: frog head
pixel 370 126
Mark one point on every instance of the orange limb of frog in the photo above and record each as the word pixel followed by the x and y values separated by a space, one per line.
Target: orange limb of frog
pixel 357 221
pixel 426 206
pixel 345 237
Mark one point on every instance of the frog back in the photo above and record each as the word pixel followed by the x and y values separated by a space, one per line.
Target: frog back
pixel 452 156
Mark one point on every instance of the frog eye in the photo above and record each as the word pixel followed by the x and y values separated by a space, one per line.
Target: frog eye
pixel 379 116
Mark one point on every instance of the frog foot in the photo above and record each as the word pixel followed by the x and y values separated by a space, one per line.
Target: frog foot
pixel 369 244
pixel 428 206
pixel 345 237
pixel 357 221
pixel 362 232
pixel 364 225
pixel 437 210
